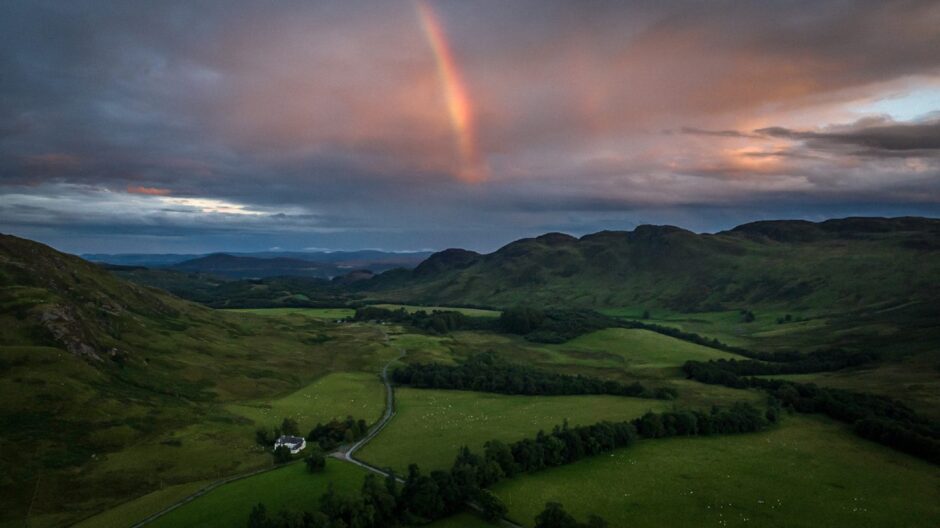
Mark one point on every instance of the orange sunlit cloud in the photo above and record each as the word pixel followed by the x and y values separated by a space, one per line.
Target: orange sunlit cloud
pixel 151 191
pixel 459 105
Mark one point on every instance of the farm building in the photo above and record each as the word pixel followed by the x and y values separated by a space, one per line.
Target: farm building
pixel 296 444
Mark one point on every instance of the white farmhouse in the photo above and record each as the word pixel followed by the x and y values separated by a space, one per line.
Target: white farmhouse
pixel 296 444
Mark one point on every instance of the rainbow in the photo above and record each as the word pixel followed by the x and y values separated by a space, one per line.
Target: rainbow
pixel 459 106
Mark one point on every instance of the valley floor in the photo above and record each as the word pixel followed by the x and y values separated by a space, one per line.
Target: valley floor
pixel 806 471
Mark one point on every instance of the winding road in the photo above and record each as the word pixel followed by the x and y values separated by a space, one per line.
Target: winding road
pixel 347 454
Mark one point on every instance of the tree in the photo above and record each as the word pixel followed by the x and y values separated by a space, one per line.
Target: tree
pixel 491 507
pixel 282 455
pixel 290 427
pixel 747 316
pixel 420 495
pixel 258 518
pixel 262 437
pixel 646 314
pixel 501 454
pixel 382 501
pixel 315 461
pixel 554 516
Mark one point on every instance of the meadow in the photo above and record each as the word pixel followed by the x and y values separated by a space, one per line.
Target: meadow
pixel 431 425
pixel 337 395
pixel 289 487
pixel 640 352
pixel 807 472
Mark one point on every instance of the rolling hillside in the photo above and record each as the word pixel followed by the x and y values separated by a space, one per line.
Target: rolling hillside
pixel 111 390
pixel 853 263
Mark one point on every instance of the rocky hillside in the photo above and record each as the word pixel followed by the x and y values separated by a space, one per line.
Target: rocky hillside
pixel 61 300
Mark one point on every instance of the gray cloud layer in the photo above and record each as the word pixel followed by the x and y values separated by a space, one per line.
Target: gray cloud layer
pixel 325 124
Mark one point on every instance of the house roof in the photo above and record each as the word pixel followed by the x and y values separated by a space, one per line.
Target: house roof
pixel 289 440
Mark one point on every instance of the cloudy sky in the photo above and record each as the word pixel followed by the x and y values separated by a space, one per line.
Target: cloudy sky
pixel 187 126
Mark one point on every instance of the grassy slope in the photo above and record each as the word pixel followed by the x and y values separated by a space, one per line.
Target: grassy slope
pixel 808 472
pixel 316 313
pixel 642 352
pixel 112 391
pixel 291 487
pixel 359 394
pixel 138 509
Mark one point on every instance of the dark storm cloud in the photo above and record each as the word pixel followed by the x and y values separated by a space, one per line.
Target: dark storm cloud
pixel 874 138
pixel 309 122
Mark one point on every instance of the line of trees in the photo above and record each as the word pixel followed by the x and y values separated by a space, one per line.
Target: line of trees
pixel 874 417
pixel 425 497
pixel 435 322
pixel 487 372
pixel 552 326
pixel 818 361
pixel 555 516
pixel 421 499
pixel 565 445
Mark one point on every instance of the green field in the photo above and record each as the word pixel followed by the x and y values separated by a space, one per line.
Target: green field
pixel 357 394
pixel 635 350
pixel 316 313
pixel 290 487
pixel 138 509
pixel 807 472
pixel 431 425
pixel 411 308
pixel 422 348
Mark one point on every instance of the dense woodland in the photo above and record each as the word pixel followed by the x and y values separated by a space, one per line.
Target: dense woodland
pixel 874 417
pixel 793 363
pixel 423 498
pixel 487 372
pixel 337 432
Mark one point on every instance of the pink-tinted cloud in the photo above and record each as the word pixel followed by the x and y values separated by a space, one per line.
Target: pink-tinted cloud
pixel 150 191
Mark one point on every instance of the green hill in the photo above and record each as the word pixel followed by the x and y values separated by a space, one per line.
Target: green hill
pixel 842 265
pixel 111 390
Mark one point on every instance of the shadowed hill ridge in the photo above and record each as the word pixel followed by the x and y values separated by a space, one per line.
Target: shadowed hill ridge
pixel 849 263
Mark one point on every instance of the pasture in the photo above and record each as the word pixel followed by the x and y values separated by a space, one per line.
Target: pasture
pixel 290 487
pixel 807 472
pixel 431 425
pixel 634 350
pixel 337 395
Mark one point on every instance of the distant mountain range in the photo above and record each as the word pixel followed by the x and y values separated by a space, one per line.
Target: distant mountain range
pixel 269 264
pixel 845 264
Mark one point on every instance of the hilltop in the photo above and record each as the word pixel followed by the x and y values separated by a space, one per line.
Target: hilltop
pixel 313 264
pixel 849 263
